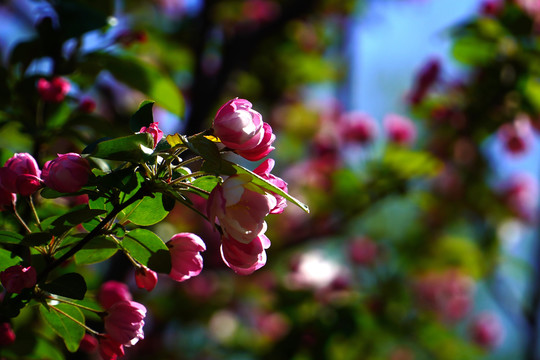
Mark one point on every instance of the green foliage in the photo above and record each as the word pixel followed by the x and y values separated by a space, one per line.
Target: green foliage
pixel 141 76
pixel 132 148
pixel 148 249
pixel 62 319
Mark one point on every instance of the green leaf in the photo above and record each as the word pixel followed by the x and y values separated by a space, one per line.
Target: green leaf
pixel 71 285
pixel 145 212
pixel 259 181
pixel 49 193
pixel 128 148
pixel 8 237
pixel 148 249
pixel 59 117
pixel 207 149
pixel 532 92
pixel 141 76
pixel 409 163
pixel 142 117
pixel 63 325
pixel 97 250
pixel 472 50
pixel 7 259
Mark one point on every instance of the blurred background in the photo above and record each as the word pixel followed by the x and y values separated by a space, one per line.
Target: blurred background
pixel 409 127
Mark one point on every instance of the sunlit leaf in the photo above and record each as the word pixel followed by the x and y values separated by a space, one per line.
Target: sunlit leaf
pixel 99 249
pixel 148 249
pixel 7 259
pixel 146 211
pixel 127 148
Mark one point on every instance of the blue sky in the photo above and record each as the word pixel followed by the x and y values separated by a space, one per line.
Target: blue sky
pixel 391 41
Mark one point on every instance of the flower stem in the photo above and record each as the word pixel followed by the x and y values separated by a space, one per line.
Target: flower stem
pixel 19 218
pixel 192 175
pixel 62 300
pixel 31 202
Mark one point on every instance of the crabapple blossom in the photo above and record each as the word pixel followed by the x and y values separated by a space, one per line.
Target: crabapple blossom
pixel 426 77
pixel 53 91
pixel 87 105
pixel 21 174
pixel 520 192
pixel 7 199
pixel 240 206
pixel 241 128
pixel 264 147
pixel 486 330
pixel 7 335
pixel 186 259
pixel 124 322
pixel 363 251
pixel 112 292
pixel 110 349
pixel 399 129
pixel 243 258
pixel 263 170
pixel 448 294
pixel 145 278
pixel 17 278
pixel 153 130
pixel 516 136
pixel 67 173
pixel 357 127
pixel 88 343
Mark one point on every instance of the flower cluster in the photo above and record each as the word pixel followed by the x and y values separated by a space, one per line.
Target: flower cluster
pixel 123 320
pixel 22 175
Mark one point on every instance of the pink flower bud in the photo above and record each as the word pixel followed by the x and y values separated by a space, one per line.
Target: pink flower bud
pixel 145 278
pixel 425 79
pixel 238 126
pixel 517 136
pixel 112 292
pixel 399 129
pixel 110 349
pixel 7 199
pixel 16 278
pixel 53 91
pixel 21 174
pixel 67 173
pixel 124 322
pixel 7 335
pixel 244 259
pixel 486 330
pixel 240 207
pixel 88 343
pixel 358 127
pixel 363 251
pixel 491 7
pixel 153 130
pixel 264 148
pixel 87 105
pixel 263 170
pixel 520 192
pixel 186 259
